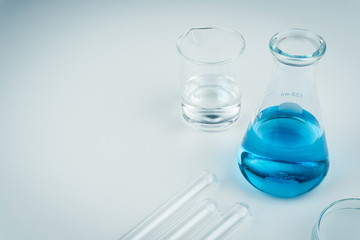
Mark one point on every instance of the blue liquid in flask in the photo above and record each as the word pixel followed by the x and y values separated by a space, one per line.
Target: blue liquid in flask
pixel 284 152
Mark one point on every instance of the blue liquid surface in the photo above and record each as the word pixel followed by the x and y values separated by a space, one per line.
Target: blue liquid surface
pixel 284 151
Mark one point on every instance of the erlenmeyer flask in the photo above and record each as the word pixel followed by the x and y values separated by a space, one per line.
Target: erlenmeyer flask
pixel 284 151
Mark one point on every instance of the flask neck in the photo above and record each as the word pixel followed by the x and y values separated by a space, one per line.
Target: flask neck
pixel 294 85
pixel 302 76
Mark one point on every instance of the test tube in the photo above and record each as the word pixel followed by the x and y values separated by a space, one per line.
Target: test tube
pixel 175 204
pixel 173 220
pixel 196 221
pixel 229 223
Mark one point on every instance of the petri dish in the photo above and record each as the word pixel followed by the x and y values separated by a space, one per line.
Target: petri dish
pixel 340 220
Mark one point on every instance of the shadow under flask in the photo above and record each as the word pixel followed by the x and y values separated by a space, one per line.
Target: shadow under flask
pixel 284 151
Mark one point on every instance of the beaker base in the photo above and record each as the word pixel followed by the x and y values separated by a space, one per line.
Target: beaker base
pixel 210 120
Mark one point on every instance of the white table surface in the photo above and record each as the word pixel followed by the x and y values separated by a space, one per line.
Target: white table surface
pixel 91 139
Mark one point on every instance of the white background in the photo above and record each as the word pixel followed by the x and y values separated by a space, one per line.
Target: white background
pixel 91 139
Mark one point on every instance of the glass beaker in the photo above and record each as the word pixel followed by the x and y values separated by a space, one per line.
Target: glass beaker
pixel 211 96
pixel 284 151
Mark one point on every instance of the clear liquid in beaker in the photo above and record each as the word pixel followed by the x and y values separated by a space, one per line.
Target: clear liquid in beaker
pixel 211 101
pixel 284 151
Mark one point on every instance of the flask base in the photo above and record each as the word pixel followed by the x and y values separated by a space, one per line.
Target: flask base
pixel 282 179
pixel 284 152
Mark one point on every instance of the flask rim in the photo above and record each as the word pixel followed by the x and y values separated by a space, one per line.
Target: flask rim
pixel 221 29
pixel 295 59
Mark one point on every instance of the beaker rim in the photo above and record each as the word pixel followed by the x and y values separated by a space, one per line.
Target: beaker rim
pixel 300 47
pixel 239 37
pixel 339 205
